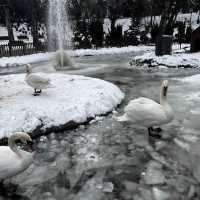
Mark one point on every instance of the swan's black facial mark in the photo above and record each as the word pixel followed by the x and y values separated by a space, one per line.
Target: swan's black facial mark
pixel 165 91
pixel 28 70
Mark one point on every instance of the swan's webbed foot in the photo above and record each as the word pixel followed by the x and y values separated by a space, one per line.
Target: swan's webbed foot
pixel 155 135
pixel 37 92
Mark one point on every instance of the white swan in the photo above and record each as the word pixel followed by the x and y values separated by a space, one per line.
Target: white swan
pixel 147 113
pixel 36 81
pixel 12 159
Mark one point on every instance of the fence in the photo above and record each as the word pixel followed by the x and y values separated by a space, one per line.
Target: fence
pixel 20 49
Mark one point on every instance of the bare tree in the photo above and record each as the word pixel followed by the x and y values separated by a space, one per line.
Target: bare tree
pixel 8 21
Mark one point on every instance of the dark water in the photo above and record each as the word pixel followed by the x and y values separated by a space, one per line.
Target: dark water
pixel 108 160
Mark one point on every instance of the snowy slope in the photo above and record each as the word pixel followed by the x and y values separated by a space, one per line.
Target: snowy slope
pixel 20 60
pixel 186 60
pixel 73 98
pixel 195 79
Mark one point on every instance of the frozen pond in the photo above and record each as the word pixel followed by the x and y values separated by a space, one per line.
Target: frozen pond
pixel 108 160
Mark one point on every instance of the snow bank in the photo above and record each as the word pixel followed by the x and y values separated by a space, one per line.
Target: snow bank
pixel 74 98
pixel 113 50
pixel 21 60
pixel 34 58
pixel 191 79
pixel 184 60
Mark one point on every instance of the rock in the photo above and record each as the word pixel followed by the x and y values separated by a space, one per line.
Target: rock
pixel 191 191
pixel 54 142
pixel 137 197
pixel 130 186
pixel 190 138
pixel 81 127
pixel 160 195
pixel 52 136
pixel 160 159
pixel 42 145
pixel 108 187
pixel 48 196
pixel 51 156
pixel 146 194
pixel 142 142
pixel 182 144
pixel 43 138
pixel 63 143
pixel 154 174
pixel 40 176
pixel 179 154
pixel 126 195
pixel 160 145
pixel 194 157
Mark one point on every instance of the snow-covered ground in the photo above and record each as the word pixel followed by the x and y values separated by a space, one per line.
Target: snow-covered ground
pixel 73 98
pixel 20 60
pixel 192 79
pixel 112 50
pixel 177 60
pixel 174 61
pixel 40 57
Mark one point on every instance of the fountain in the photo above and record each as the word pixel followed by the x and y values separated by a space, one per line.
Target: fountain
pixel 60 33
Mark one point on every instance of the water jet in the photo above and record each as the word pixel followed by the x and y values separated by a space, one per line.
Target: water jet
pixel 60 33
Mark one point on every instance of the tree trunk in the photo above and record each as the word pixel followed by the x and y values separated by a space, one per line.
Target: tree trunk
pixel 161 42
pixel 9 24
pixel 151 19
pixel 164 17
pixel 35 33
pixel 35 25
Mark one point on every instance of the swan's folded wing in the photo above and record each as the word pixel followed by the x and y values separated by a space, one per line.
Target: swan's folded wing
pixel 9 161
pixel 145 111
pixel 38 79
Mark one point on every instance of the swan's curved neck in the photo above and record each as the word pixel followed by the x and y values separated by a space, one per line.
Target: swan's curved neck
pixel 163 95
pixel 13 146
pixel 28 70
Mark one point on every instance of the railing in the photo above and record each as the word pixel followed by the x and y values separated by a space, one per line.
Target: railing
pixel 20 49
